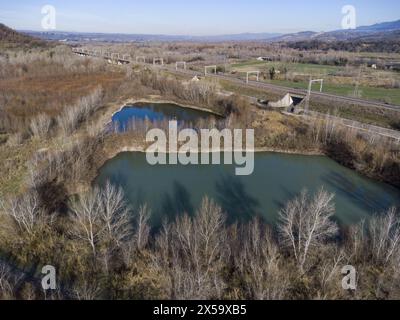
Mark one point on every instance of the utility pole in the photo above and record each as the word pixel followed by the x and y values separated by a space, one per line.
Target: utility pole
pixel 307 108
pixel 257 73
pixel 357 86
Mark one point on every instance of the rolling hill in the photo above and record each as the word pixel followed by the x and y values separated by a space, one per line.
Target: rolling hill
pixel 380 31
pixel 10 39
pixel 119 37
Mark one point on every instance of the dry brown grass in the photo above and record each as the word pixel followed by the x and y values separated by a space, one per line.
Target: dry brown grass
pixel 28 96
pixel 13 166
pixel 46 82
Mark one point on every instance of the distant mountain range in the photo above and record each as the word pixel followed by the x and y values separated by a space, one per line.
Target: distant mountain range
pixel 385 26
pixel 385 30
pixel 382 31
pixel 118 37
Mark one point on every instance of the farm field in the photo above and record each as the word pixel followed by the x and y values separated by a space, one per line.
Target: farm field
pixel 337 80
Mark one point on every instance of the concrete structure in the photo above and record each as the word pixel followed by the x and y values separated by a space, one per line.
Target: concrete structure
pixel 257 73
pixel 180 63
pixel 289 102
pixel 264 59
pixel 141 59
pixel 210 67
pixel 158 61
pixel 321 81
pixel 195 79
pixel 126 57
pixel 111 57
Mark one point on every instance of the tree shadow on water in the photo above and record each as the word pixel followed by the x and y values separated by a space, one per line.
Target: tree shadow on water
pixel 286 196
pixel 235 201
pixel 363 197
pixel 178 204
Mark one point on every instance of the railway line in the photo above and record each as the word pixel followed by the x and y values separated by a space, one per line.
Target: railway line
pixel 365 128
pixel 126 59
pixel 282 89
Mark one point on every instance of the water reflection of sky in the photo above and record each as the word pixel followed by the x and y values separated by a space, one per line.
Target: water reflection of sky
pixel 155 112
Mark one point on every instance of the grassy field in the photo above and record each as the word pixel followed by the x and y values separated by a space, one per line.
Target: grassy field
pixel 391 96
pixel 379 55
pixel 334 80
pixel 369 116
pixel 308 68
pixel 313 69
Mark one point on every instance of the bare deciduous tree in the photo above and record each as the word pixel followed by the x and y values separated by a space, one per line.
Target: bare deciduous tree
pixel 87 218
pixel 384 235
pixel 198 249
pixel 306 223
pixel 8 281
pixel 258 263
pixel 114 212
pixel 142 230
pixel 100 214
pixel 25 211
pixel 330 270
pixel 356 241
pixel 86 290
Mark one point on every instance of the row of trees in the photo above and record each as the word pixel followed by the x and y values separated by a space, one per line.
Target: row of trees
pixel 204 94
pixel 101 248
pixel 370 45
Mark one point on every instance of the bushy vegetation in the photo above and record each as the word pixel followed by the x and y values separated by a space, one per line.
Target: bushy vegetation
pixel 103 249
pixel 369 45
pixel 45 82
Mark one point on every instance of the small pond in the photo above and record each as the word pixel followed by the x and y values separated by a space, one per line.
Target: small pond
pixel 156 112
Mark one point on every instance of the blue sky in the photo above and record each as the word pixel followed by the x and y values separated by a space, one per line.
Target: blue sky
pixel 201 17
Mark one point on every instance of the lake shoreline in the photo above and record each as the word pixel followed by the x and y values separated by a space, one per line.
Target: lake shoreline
pixel 130 102
pixel 139 146
pixel 114 146
pixel 221 150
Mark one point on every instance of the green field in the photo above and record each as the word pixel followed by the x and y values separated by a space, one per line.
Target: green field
pixel 381 94
pixel 313 69
pixel 391 96
pixel 368 116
